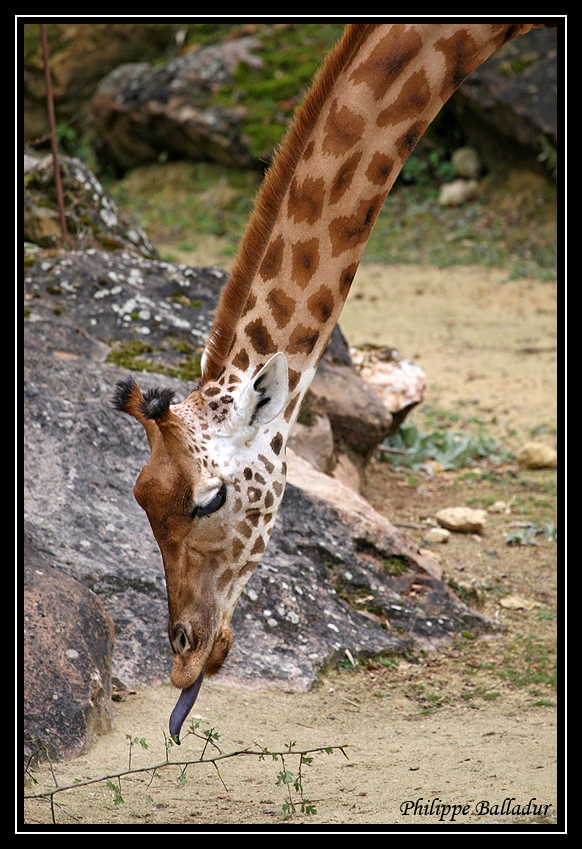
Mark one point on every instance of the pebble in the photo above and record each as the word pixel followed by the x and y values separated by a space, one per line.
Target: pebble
pixel 438 535
pixel 499 507
pixel 537 455
pixel 458 192
pixel 462 519
pixel 467 163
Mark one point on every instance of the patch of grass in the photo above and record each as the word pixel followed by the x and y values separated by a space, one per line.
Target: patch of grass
pixel 528 660
pixel 510 225
pixel 130 355
pixel 183 201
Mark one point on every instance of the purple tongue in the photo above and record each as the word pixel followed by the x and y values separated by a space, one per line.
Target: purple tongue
pixel 183 707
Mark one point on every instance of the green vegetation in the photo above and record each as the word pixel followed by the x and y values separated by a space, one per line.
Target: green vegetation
pixel 132 355
pixel 409 447
pixel 511 224
pixel 290 55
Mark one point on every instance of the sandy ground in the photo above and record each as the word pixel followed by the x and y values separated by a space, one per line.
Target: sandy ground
pixel 472 727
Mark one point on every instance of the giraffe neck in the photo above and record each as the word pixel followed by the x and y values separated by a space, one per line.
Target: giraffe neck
pixel 375 96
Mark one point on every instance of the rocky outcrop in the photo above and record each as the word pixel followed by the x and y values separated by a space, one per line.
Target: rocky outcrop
pixel 81 54
pixel 142 111
pixel 67 648
pixel 92 218
pixel 507 108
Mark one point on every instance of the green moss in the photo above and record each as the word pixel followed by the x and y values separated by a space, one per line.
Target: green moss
pixel 290 55
pixel 131 355
pixel 394 566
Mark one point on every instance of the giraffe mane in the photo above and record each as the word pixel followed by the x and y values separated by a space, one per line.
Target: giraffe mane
pixel 277 179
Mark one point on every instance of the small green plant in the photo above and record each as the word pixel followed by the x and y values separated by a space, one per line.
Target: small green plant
pixel 287 778
pixel 291 780
pixel 413 449
pixel 525 536
pixel 429 169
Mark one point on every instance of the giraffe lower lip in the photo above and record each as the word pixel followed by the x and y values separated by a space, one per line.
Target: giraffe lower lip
pixel 183 707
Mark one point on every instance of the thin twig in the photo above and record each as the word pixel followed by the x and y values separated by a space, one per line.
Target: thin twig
pixel 52 124
pixel 260 753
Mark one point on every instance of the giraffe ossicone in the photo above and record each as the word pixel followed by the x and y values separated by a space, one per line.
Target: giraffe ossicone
pixel 216 473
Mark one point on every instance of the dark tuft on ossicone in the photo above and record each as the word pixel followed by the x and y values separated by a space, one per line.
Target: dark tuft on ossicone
pixel 156 402
pixel 122 394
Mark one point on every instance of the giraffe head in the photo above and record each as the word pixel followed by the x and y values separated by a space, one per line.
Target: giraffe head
pixel 211 504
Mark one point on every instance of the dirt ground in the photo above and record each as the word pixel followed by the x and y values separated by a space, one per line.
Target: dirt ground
pixel 475 726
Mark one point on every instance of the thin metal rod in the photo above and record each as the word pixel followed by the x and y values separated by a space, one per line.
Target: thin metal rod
pixel 51 114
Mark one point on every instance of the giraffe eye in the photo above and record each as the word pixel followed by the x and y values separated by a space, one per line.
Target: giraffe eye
pixel 215 503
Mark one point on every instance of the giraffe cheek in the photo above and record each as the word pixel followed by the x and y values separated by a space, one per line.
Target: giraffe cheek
pixel 220 649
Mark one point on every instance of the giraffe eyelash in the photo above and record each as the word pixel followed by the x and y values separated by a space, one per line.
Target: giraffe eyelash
pixel 213 506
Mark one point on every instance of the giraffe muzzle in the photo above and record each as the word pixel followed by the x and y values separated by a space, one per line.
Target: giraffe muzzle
pixel 183 707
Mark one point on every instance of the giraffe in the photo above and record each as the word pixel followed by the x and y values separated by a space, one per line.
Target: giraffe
pixel 216 473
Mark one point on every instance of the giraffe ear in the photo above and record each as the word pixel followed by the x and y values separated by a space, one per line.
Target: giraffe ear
pixel 269 390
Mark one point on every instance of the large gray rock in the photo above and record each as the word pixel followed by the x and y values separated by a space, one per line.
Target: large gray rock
pixel 142 111
pixel 67 647
pixel 508 107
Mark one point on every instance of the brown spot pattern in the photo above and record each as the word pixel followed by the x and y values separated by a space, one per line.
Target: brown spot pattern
pixel 321 304
pixel 244 530
pixel 250 305
pixel 343 129
pixel 302 340
pixel 343 178
pixel 307 153
pixel 273 259
pixel 224 580
pixel 347 278
pixel 267 464
pixel 349 231
pixel 388 60
pixel 282 307
pixel 248 567
pixel 241 360
pixel 260 337
pixel 289 409
pixel 408 140
pixel 412 100
pixel 457 51
pixel 294 378
pixel 259 546
pixel 305 261
pixel 379 168
pixel 305 201
pixel 277 443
